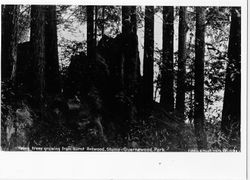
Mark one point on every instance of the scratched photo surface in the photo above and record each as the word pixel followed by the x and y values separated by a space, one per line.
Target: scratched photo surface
pixel 120 78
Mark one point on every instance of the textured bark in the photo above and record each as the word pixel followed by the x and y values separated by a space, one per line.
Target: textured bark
pixel 90 31
pixel 37 38
pixel 180 95
pixel 148 64
pixel 199 118
pixel 52 79
pixel 231 105
pixel 167 69
pixel 9 42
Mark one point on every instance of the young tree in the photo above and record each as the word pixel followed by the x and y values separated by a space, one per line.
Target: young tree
pixel 37 38
pixel 231 105
pixel 167 69
pixel 52 79
pixel 9 41
pixel 199 119
pixel 180 94
pixel 90 31
pixel 148 64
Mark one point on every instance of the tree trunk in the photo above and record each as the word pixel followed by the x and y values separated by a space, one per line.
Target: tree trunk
pixel 199 118
pixel 37 38
pixel 125 17
pixel 231 107
pixel 148 64
pixel 103 20
pixel 130 51
pixel 90 31
pixel 180 94
pixel 9 42
pixel 167 69
pixel 52 77
pixel 130 65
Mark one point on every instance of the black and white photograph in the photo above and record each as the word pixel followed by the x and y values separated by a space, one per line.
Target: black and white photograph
pixel 82 78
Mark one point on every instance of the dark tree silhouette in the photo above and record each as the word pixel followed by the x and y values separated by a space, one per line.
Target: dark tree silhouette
pixel 167 69
pixel 52 80
pixel 199 118
pixel 231 105
pixel 9 42
pixel 37 38
pixel 180 94
pixel 90 31
pixel 148 64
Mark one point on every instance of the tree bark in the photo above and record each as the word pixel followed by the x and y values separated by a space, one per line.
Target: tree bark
pixel 130 66
pixel 180 94
pixel 148 64
pixel 90 31
pixel 231 106
pixel 199 119
pixel 9 42
pixel 37 38
pixel 52 76
pixel 167 69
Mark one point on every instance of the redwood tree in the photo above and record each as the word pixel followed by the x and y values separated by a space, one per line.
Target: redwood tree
pixel 90 31
pixel 9 41
pixel 231 105
pixel 148 64
pixel 37 38
pixel 52 80
pixel 180 94
pixel 199 118
pixel 167 69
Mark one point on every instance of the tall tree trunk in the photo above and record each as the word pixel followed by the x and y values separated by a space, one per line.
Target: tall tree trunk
pixel 103 20
pixel 180 94
pixel 9 42
pixel 199 118
pixel 148 64
pixel 96 24
pixel 133 19
pixel 90 31
pixel 125 18
pixel 130 65
pixel 231 107
pixel 167 69
pixel 130 50
pixel 37 38
pixel 52 78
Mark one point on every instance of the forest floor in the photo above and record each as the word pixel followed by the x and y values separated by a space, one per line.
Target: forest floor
pixel 157 131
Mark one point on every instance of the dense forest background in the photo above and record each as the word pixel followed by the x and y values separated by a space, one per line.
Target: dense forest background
pixel 120 76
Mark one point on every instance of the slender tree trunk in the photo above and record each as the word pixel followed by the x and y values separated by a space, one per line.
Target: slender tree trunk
pixel 90 31
pixel 103 20
pixel 133 19
pixel 231 107
pixel 148 64
pixel 96 24
pixel 167 69
pixel 125 18
pixel 181 75
pixel 199 118
pixel 52 76
pixel 9 42
pixel 37 38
